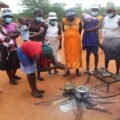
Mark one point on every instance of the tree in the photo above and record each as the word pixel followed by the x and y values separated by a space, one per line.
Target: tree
pixel 78 9
pixel 59 8
pixel 30 5
pixel 45 5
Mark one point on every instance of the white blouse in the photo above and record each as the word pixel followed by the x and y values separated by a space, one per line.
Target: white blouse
pixel 111 27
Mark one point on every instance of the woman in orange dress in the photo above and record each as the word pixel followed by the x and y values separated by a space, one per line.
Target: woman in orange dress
pixel 72 28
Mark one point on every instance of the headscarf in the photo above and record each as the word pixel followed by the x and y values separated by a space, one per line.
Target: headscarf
pixel 38 11
pixel 7 13
pixel 47 51
pixel 70 13
pixel 110 5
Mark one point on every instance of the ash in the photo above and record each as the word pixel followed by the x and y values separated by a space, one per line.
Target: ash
pixel 82 98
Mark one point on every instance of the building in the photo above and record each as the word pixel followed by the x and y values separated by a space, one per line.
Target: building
pixel 3 5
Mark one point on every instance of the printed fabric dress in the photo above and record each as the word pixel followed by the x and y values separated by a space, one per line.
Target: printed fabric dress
pixel 72 43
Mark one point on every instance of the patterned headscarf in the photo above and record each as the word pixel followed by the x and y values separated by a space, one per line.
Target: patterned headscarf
pixel 110 5
pixel 7 13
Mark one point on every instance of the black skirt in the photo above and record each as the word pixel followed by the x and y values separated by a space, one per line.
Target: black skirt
pixel 12 61
pixel 3 57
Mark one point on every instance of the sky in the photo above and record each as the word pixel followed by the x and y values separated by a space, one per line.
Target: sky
pixel 70 3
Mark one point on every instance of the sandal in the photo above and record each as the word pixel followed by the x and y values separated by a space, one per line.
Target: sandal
pixel 40 91
pixel 36 95
pixel 13 82
pixel 17 78
pixel 40 78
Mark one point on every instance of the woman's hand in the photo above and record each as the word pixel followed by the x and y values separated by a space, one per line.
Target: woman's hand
pixel 42 29
pixel 7 39
pixel 61 66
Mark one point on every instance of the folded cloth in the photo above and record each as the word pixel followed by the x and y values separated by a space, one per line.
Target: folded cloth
pixel 87 16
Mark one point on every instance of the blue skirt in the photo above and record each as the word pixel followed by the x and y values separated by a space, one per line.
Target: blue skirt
pixel 28 65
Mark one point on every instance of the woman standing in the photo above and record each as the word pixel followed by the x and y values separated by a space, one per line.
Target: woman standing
pixel 90 39
pixel 37 26
pixel 72 28
pixel 111 44
pixel 53 37
pixel 12 62
pixel 37 30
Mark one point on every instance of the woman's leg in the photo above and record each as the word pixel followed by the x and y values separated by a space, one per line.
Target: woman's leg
pixel 9 74
pixel 32 82
pixel 78 72
pixel 96 61
pixel 11 78
pixel 117 66
pixel 14 75
pixel 49 72
pixel 39 76
pixel 87 61
pixel 106 63
pixel 67 73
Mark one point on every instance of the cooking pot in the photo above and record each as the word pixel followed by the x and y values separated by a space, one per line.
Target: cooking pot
pixel 81 92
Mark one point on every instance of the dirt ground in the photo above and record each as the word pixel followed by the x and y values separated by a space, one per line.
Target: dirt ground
pixel 16 102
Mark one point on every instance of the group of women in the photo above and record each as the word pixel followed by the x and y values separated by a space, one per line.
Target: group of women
pixel 93 26
pixel 45 40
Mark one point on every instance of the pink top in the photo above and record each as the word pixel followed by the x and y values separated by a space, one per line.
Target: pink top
pixel 2 38
pixel 11 29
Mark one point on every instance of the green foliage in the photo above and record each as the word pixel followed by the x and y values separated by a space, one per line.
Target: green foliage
pixel 78 9
pixel 47 7
pixel 59 8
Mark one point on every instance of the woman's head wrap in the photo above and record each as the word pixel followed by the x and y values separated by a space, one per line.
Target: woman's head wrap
pixel 70 13
pixel 47 51
pixel 110 5
pixel 38 11
pixel 7 13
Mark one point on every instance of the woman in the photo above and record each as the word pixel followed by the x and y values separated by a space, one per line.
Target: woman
pixel 36 56
pixel 37 26
pixel 4 44
pixel 53 37
pixel 72 28
pixel 111 43
pixel 12 62
pixel 37 30
pixel 90 39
